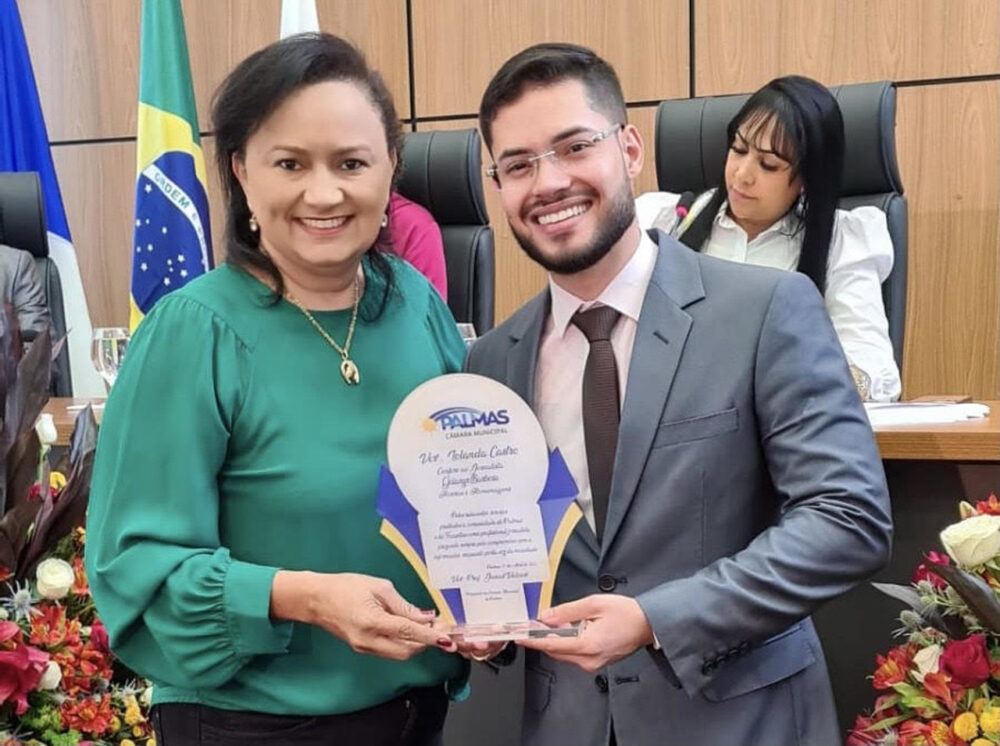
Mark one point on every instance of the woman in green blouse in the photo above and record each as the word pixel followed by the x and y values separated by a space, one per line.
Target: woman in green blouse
pixel 233 546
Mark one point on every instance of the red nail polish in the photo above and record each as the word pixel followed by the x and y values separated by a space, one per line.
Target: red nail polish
pixel 444 642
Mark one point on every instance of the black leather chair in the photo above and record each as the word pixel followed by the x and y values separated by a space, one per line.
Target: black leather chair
pixel 691 151
pixel 22 226
pixel 443 172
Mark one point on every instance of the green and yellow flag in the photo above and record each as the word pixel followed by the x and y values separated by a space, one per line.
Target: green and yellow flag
pixel 173 242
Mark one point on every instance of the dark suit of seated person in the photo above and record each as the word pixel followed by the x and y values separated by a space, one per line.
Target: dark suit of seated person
pixel 777 207
pixel 21 286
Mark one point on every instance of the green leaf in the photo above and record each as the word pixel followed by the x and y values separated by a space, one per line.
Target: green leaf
pixel 888 722
pixel 887 702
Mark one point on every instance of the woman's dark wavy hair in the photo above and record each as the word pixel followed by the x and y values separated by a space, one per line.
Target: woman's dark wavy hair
pixel 809 134
pixel 250 94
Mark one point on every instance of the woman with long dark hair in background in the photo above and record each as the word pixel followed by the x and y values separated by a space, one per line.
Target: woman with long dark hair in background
pixel 777 206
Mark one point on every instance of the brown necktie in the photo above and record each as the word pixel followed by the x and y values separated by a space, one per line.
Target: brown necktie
pixel 600 405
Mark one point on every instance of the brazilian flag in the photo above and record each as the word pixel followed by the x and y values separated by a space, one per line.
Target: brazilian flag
pixel 172 239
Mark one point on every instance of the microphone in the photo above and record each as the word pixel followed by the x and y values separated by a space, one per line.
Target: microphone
pixel 684 205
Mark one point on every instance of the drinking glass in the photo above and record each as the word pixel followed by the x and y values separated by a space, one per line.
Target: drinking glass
pixel 108 350
pixel 468 332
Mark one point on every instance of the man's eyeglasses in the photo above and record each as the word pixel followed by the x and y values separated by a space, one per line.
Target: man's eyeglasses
pixel 572 151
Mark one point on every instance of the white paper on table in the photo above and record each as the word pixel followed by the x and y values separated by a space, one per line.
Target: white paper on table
pixel 882 414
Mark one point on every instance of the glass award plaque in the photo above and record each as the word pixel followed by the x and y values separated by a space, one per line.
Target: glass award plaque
pixel 476 503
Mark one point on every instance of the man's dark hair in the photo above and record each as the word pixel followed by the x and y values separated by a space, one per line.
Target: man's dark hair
pixel 548 64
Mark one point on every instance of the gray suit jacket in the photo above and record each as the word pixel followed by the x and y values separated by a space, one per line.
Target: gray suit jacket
pixel 21 286
pixel 747 490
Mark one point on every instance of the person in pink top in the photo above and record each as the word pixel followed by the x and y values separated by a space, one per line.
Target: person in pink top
pixel 416 238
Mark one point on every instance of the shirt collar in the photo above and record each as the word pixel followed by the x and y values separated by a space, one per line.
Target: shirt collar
pixel 786 226
pixel 625 293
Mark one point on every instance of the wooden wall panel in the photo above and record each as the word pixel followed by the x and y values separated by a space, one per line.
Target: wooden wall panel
pixel 85 53
pixel 949 155
pixel 644 118
pixel 517 277
pixel 741 44
pixel 646 41
pixel 98 183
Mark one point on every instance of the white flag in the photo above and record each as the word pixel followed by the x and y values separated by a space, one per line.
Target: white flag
pixel 298 16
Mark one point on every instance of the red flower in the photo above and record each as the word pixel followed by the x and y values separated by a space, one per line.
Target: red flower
pixel 942 735
pixel 21 667
pixel 923 573
pixel 891 669
pixel 966 661
pixel 80 585
pixel 99 637
pixel 51 628
pixel 913 733
pixel 36 492
pixel 989 506
pixel 88 715
pixel 5 574
pixel 860 736
pixel 81 665
pixel 937 686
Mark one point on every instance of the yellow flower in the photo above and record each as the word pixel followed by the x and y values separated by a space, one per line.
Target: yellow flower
pixel 116 724
pixel 982 742
pixel 137 731
pixel 57 479
pixel 133 715
pixel 966 726
pixel 126 742
pixel 990 722
pixel 979 705
pixel 151 741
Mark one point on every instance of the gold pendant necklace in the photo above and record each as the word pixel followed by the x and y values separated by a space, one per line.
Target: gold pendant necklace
pixel 348 369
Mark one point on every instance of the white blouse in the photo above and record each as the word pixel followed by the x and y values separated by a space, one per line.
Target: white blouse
pixel 859 261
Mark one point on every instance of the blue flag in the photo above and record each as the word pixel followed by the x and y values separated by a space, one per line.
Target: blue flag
pixel 24 146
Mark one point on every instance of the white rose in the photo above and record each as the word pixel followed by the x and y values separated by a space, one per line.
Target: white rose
pixel 46 429
pixel 927 660
pixel 54 578
pixel 51 678
pixel 974 541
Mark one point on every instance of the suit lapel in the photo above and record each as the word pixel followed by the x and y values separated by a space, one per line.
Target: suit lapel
pixel 525 337
pixel 659 344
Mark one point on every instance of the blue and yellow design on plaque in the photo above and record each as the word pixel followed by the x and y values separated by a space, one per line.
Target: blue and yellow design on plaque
pixel 476 503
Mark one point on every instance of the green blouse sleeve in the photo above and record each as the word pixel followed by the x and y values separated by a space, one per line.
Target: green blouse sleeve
pixel 444 332
pixel 179 609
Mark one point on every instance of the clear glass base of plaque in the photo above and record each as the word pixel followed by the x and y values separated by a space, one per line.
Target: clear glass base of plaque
pixel 497 631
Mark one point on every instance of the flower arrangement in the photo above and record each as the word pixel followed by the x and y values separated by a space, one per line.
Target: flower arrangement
pixel 941 686
pixel 59 682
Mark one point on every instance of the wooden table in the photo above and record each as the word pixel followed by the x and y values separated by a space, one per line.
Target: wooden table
pixel 65 418
pixel 974 440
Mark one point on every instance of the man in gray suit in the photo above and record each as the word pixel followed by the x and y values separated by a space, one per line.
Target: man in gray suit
pixel 742 487
pixel 21 286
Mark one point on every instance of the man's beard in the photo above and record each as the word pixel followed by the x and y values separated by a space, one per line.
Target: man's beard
pixel 611 229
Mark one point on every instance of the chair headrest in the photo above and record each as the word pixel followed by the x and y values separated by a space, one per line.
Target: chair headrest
pixel 22 213
pixel 691 141
pixel 442 171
